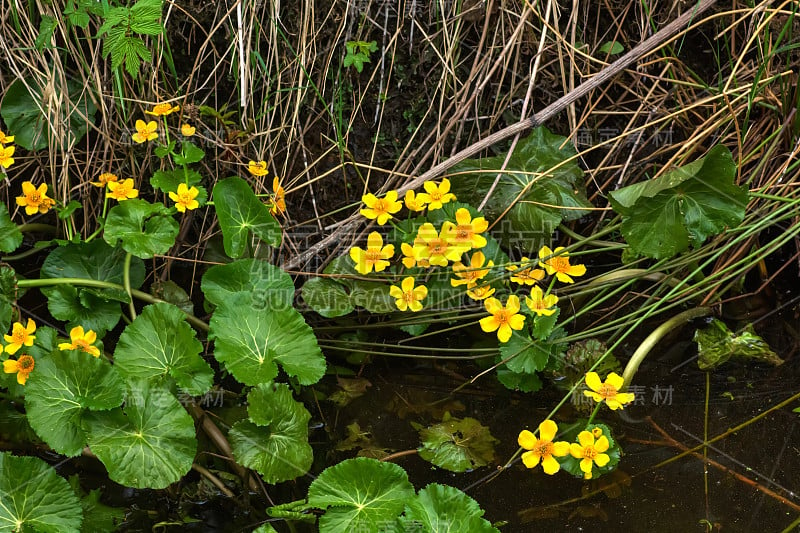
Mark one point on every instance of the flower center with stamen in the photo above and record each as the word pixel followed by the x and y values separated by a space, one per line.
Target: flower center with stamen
pixel 502 316
pixel 437 246
pixel 544 449
pixel 561 264
pixel 607 391
pixel 463 233
pixel 589 452
pixel 25 363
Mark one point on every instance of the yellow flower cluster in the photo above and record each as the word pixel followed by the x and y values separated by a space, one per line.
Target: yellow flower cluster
pixel 277 201
pixel 80 340
pixel 147 131
pixel 382 209
pixel 6 152
pixel 34 199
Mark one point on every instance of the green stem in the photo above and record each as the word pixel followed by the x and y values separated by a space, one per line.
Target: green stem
pixel 141 295
pixel 594 413
pixel 126 280
pixel 657 334
pixel 36 227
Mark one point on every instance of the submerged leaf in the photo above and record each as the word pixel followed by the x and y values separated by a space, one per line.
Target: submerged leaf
pixel 457 444
pixel 717 344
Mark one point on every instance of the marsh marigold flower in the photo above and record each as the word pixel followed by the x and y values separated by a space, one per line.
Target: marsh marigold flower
pixel 435 196
pixel 145 131
pixel 278 198
pixel 80 340
pixel 467 230
pixel 481 293
pixel 5 156
pixel 543 448
pixel 20 336
pixel 381 209
pixel 122 191
pixel 6 139
pixel 502 319
pixel 608 391
pixel 470 275
pixel 187 130
pixel 559 264
pixel 184 198
pixel 590 451
pixel 540 304
pixel 525 276
pixel 22 367
pixel 436 247
pixel 409 260
pixel 257 168
pixel 407 295
pixel 162 110
pixel 375 256
pixel 414 202
pixel 34 200
pixel 104 179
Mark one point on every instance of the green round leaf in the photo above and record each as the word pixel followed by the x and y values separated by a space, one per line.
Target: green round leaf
pixel 142 227
pixel 251 341
pixel 442 509
pixel 34 498
pixel 274 442
pixel 240 212
pixel 327 297
pixel 149 444
pixel 360 495
pixel 457 444
pixel 62 387
pixel 85 306
pixel 160 343
pixel 267 285
pixel 10 235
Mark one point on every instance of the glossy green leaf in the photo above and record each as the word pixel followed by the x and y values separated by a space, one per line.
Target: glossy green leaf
pixel 522 354
pixel 168 180
pixel 240 212
pixel 269 287
pixel 360 495
pixel 22 111
pixel 10 235
pixel 190 153
pixel 8 296
pixel 171 292
pixel 150 443
pixel 444 509
pixel 33 497
pixel 540 183
pixel 519 381
pixel 327 297
pixel 98 517
pixel 85 306
pixel 611 48
pixel 457 444
pixel 61 389
pixel 160 343
pixel 251 343
pixel 274 442
pixel 145 229
pixel 664 216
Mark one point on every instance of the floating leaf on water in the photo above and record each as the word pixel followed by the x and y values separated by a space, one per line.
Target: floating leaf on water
pixel 444 508
pixel 456 444
pixel 349 390
pixel 717 344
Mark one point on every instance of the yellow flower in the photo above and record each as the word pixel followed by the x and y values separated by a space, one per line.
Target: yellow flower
pixel 6 139
pixel 278 198
pixel 20 336
pixel 5 156
pixel 381 208
pixel 121 191
pixel 257 168
pixel 608 391
pixel 374 256
pixel 481 293
pixel 145 131
pixel 104 179
pixel 543 449
pixel 34 200
pixel 185 198
pixel 470 275
pixel 434 247
pixel 590 451
pixel 466 230
pixel 559 264
pixel 414 203
pixel 22 367
pixel 409 261
pixel 81 341
pixel 407 296
pixel 540 304
pixel 162 110
pixel 502 319
pixel 526 276
pixel 187 130
pixel 436 195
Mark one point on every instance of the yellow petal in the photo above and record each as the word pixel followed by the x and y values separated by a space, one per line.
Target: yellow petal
pixel 512 305
pixel 527 440
pixel 560 448
pixel 550 465
pixel 593 395
pixel 493 305
pixel 65 346
pixel 601 459
pixel 602 444
pixel 615 380
pixel 374 240
pixel 586 438
pixel 593 381
pixel 395 292
pixel 9 366
pixel 548 430
pixel 504 333
pixel 576 450
pixel 463 217
pixel 530 459
pixel 488 324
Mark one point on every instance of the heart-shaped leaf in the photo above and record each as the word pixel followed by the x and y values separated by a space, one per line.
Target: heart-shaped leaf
pixel 144 228
pixel 268 286
pixel 240 212
pixel 442 508
pixel 327 297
